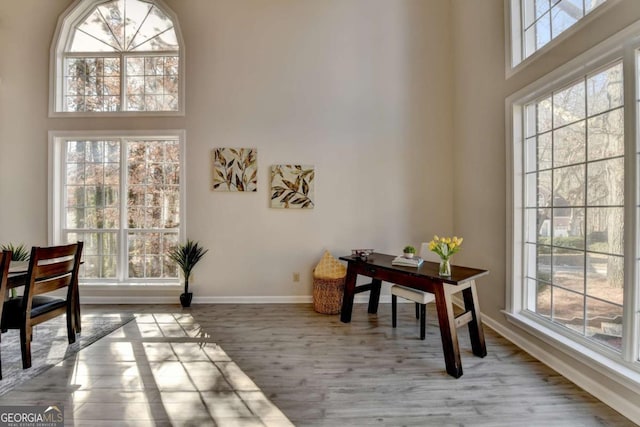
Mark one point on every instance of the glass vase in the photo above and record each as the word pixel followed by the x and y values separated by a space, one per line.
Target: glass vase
pixel 445 268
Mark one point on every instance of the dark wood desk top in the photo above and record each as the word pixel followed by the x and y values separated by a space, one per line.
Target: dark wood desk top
pixel 428 269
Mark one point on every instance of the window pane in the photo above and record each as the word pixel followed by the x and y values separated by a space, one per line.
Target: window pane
pixel 568 227
pixel 605 230
pixel 543 226
pixel 543 30
pixel 153 203
pixel 569 144
pixel 605 90
pixel 604 323
pixel 568 269
pixel 543 263
pixel 569 105
pixel 98 254
pixel 568 309
pixel 606 182
pixel 605 277
pixel 568 186
pixel 92 84
pixel 544 151
pixel 544 115
pixel 606 135
pixel 543 299
pixel 565 14
pixel 150 80
pixel 148 255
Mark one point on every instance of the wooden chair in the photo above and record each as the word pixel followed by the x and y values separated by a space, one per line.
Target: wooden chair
pixel 420 298
pixel 50 269
pixel 5 260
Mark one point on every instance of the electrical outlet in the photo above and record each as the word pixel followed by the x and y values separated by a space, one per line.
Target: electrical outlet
pixel 296 277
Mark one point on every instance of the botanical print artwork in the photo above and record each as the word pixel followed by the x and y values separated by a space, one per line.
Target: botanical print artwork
pixel 235 169
pixel 292 186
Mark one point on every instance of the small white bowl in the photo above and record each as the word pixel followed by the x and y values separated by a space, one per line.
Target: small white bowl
pixel 408 255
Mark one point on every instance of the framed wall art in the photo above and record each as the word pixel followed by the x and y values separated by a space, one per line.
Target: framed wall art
pixel 292 186
pixel 234 169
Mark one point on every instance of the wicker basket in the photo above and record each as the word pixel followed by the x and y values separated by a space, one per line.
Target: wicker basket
pixel 327 295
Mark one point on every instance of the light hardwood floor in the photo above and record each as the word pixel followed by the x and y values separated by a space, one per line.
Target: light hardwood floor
pixel 321 372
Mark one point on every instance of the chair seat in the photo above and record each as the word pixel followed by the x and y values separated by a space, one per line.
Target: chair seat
pixel 12 312
pixel 412 294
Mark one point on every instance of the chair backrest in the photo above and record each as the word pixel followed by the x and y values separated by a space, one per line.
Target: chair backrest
pixel 52 268
pixel 5 260
pixel 428 255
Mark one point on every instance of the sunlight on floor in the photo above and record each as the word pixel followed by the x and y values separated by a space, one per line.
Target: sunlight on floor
pixel 158 369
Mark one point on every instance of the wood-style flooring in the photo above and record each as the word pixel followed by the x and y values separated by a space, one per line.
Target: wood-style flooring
pixel 321 372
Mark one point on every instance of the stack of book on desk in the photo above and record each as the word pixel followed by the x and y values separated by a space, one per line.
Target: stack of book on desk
pixel 407 262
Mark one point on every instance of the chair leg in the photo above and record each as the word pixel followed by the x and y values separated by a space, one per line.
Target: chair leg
pixel 25 346
pixel 423 318
pixel 417 310
pixel 394 303
pixel 78 318
pixel 71 327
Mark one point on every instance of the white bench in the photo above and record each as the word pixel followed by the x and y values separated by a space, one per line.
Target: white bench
pixel 420 298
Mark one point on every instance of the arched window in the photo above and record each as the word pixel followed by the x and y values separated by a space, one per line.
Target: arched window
pixel 117 56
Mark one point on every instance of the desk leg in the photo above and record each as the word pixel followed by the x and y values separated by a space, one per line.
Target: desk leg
pixel 448 331
pixel 475 326
pixel 374 296
pixel 347 299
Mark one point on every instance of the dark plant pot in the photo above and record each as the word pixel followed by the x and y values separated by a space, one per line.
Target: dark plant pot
pixel 185 299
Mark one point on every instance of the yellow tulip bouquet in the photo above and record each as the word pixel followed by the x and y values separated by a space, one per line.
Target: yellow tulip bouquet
pixel 445 247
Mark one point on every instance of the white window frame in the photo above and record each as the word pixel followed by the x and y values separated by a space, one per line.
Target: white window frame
pixel 57 146
pixel 514 57
pixel 623 367
pixel 66 23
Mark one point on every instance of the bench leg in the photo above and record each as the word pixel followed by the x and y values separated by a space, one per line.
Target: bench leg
pixel 423 319
pixel 394 310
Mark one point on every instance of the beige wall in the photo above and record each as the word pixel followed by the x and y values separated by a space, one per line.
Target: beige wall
pixel 359 88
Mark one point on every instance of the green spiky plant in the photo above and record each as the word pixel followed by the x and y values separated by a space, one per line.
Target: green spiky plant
pixel 187 255
pixel 18 253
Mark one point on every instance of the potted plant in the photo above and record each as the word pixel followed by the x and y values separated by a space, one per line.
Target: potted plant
pixel 18 253
pixel 187 255
pixel 409 251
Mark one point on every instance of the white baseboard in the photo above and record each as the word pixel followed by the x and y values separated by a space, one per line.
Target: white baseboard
pixel 299 299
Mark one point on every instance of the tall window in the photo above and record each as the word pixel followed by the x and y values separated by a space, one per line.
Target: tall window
pixel 574 205
pixel 575 189
pixel 121 195
pixel 117 56
pixel 536 22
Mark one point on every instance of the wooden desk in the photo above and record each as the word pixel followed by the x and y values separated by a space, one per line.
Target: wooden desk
pixel 17 274
pixel 424 278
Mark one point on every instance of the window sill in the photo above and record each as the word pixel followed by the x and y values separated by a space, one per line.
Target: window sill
pixel 624 373
pixel 131 285
pixel 138 114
